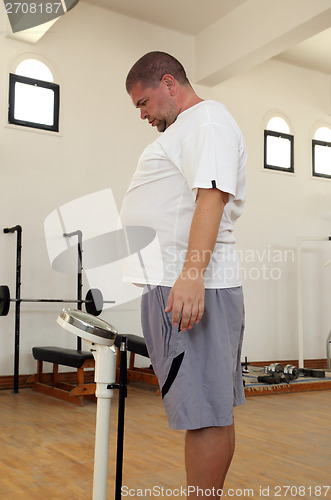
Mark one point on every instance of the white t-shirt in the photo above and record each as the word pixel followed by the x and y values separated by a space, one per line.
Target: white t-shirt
pixel 203 148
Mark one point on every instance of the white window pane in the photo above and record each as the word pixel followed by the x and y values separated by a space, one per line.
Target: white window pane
pixel 34 69
pixel 278 124
pixel 34 104
pixel 322 160
pixel 323 134
pixel 278 152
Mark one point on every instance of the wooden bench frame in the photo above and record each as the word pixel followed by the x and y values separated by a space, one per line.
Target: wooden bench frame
pixel 61 390
pixel 76 393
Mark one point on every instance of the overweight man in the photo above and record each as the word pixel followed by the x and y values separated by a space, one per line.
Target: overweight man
pixel 190 187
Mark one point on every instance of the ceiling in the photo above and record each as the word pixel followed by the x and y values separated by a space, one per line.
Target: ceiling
pixel 189 17
pixel 314 53
pixel 184 16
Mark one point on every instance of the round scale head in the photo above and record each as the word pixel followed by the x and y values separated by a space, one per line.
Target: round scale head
pixel 87 326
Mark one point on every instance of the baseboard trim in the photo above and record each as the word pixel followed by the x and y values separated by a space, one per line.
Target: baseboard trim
pixel 308 363
pixel 7 381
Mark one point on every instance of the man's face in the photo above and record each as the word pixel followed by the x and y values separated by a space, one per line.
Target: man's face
pixel 156 105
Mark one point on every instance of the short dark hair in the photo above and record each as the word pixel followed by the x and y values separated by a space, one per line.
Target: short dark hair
pixel 151 67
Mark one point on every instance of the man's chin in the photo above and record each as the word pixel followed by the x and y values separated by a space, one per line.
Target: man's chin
pixel 161 126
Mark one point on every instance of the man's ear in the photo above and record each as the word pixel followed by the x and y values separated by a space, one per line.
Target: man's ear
pixel 170 83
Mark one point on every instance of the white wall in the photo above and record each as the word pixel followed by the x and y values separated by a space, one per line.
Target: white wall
pixel 90 51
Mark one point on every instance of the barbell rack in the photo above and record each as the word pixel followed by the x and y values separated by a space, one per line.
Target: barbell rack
pixel 18 300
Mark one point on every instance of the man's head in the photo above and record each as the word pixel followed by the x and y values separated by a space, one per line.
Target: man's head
pixel 158 86
pixel 150 69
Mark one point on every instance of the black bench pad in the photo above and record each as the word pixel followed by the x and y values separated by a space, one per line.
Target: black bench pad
pixel 61 356
pixel 135 344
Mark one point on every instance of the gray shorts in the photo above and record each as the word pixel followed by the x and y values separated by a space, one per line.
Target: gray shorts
pixel 199 371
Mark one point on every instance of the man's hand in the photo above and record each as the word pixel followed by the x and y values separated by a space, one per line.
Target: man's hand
pixel 186 298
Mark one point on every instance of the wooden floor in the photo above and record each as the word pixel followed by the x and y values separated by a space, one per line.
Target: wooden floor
pixel 47 446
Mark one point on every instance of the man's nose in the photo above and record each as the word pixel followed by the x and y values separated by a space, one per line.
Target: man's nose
pixel 143 114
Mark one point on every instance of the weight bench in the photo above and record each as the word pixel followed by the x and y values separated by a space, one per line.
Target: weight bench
pixel 82 360
pixel 136 345
pixel 66 357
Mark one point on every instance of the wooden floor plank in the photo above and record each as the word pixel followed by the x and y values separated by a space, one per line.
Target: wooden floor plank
pixel 47 446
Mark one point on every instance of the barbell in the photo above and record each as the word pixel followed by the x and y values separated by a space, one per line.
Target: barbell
pixel 93 301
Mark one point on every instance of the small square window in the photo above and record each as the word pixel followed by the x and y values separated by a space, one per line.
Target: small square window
pixel 321 158
pixel 33 103
pixel 278 151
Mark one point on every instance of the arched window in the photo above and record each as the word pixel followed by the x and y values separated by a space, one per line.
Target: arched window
pixel 278 145
pixel 33 96
pixel 32 68
pixel 322 152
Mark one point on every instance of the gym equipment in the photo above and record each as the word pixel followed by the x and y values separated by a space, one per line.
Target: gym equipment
pixel 300 240
pixel 274 368
pixel 312 372
pixel 291 372
pixel 276 373
pixel 274 378
pixel 17 229
pixel 245 368
pixel 101 336
pixel 93 301
pixel 81 360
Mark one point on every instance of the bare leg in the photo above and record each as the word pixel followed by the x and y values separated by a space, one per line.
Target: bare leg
pixel 208 454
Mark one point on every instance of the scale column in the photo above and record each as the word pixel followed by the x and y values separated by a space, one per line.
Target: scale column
pixel 105 373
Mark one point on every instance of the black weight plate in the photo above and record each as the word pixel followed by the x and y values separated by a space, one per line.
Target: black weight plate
pixel 4 300
pixel 94 304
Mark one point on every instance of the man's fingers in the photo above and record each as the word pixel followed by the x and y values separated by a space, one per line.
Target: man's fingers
pixel 170 302
pixel 175 306
pixel 194 315
pixel 200 311
pixel 176 311
pixel 190 314
pixel 186 317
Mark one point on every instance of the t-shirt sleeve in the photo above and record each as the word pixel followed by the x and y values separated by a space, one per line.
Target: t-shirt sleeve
pixel 210 158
